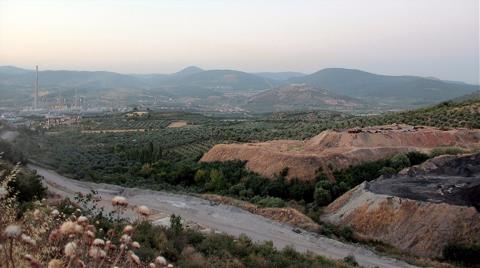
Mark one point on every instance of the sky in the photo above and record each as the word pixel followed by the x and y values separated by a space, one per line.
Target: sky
pixel 437 38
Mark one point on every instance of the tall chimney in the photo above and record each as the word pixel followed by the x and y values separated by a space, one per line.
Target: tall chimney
pixel 35 98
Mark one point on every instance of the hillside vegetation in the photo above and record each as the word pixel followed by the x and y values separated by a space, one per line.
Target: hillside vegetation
pixel 166 158
pixel 64 234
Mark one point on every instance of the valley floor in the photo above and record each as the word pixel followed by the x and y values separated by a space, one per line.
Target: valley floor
pixel 227 219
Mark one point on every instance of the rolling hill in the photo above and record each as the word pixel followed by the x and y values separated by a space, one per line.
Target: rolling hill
pixel 299 97
pixel 332 88
pixel 70 79
pixel 220 80
pixel 385 88
pixel 279 76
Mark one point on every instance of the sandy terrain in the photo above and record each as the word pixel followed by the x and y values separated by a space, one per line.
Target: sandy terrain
pixel 339 149
pixel 224 218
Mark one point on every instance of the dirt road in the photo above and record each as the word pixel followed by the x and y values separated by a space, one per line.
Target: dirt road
pixel 227 219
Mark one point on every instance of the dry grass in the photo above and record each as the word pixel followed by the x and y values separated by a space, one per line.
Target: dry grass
pixel 44 237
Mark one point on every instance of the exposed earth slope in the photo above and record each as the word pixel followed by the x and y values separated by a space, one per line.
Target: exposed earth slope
pixel 334 149
pixel 420 210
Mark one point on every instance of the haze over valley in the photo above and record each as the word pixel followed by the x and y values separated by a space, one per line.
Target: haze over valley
pixel 205 133
pixel 196 89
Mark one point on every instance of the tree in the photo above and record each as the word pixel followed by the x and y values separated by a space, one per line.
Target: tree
pixel 322 197
pixel 216 180
pixel 399 161
pixel 201 176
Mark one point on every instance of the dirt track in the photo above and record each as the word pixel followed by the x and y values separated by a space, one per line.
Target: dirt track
pixel 227 219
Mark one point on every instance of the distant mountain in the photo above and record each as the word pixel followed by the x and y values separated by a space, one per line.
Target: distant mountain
pixel 72 79
pixel 188 77
pixel 12 70
pixel 193 84
pixel 474 96
pixel 188 71
pixel 403 89
pixel 300 96
pixel 221 80
pixel 280 76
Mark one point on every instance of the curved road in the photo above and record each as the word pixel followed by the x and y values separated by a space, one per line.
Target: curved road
pixel 224 218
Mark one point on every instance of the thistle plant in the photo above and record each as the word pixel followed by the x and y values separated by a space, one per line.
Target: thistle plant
pixel 45 237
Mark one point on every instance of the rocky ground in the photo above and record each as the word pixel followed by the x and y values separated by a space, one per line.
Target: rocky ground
pixel 420 209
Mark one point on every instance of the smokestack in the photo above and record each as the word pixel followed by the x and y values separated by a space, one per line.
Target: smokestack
pixel 35 98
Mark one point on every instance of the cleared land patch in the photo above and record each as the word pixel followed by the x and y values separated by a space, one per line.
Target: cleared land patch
pixel 178 124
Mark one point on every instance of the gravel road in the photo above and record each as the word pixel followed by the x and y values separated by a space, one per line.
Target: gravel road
pixel 224 218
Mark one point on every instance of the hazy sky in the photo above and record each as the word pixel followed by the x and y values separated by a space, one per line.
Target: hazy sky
pixel 421 37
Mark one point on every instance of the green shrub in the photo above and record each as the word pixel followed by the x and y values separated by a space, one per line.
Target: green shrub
pixel 322 196
pixel 350 259
pixel 417 158
pixel 269 201
pixel 399 161
pixel 446 150
pixel 466 254
pixel 27 186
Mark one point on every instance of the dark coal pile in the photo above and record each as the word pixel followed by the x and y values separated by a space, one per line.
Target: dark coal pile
pixel 449 179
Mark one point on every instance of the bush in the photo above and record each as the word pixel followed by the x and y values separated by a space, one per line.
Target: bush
pixel 27 187
pixel 388 171
pixel 322 197
pixel 347 233
pixel 417 158
pixel 446 150
pixel 399 161
pixel 466 254
pixel 350 259
pixel 269 201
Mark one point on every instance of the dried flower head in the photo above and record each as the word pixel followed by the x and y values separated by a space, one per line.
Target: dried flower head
pixel 125 239
pixel 135 259
pixel 161 261
pixel 37 214
pixel 54 235
pixel 98 242
pixel 81 264
pixel 82 220
pixel 97 253
pixel 151 265
pixel 90 234
pixel 119 201
pixel 3 192
pixel 55 213
pixel 128 229
pixel 28 240
pixel 13 231
pixel 143 211
pixel 70 227
pixel 170 265
pixel 55 263
pixel 33 262
pixel 135 245
pixel 70 249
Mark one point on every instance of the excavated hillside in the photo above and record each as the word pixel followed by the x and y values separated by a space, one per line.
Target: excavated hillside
pixel 420 209
pixel 334 149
